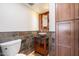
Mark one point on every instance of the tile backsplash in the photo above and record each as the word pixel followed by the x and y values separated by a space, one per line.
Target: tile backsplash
pixel 52 44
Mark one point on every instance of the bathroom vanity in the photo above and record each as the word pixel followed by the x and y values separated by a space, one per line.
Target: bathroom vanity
pixel 41 43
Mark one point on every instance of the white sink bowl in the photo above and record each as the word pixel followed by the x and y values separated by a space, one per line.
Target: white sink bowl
pixel 42 33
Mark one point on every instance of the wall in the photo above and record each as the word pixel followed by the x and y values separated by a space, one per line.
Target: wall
pixel 17 17
pixel 52 40
pixel 52 44
pixel 27 44
pixel 52 17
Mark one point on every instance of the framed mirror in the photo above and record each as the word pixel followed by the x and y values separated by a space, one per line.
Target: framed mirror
pixel 44 22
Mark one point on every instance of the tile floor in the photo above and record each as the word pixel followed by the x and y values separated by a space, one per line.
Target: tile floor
pixel 34 54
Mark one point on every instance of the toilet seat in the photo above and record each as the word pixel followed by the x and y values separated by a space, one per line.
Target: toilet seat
pixel 20 54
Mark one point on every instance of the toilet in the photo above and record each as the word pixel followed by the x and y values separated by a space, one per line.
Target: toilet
pixel 11 48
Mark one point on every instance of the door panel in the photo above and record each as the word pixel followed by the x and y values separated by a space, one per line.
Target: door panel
pixel 64 51
pixel 76 37
pixel 65 11
pixel 65 38
pixel 76 10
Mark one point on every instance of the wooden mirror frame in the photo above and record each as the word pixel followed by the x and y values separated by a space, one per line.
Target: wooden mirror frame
pixel 41 28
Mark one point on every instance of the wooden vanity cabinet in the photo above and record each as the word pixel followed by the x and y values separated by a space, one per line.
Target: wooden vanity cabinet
pixel 41 45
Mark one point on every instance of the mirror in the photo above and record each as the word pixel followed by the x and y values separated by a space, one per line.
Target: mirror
pixel 44 22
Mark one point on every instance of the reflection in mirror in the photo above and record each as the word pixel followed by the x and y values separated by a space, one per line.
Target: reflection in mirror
pixel 44 20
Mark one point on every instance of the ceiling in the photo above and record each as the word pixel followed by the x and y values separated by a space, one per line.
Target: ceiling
pixel 38 7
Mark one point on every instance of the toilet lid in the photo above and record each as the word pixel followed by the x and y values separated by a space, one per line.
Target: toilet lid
pixel 20 54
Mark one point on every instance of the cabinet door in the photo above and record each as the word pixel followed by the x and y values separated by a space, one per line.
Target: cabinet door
pixel 77 37
pixel 65 11
pixel 65 38
pixel 76 10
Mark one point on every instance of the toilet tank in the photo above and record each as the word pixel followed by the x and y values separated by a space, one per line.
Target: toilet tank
pixel 11 48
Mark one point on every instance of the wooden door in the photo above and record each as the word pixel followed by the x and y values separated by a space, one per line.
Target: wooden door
pixel 77 37
pixel 64 11
pixel 76 10
pixel 65 38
